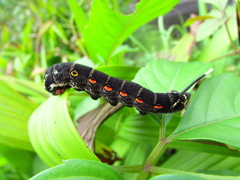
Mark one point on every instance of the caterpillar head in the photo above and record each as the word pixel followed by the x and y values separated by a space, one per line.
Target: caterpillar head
pixel 56 78
pixel 181 100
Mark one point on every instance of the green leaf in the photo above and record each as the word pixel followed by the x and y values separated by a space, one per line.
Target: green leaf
pixel 21 160
pixel 139 128
pixel 124 48
pixel 176 177
pixel 203 146
pixel 210 25
pixel 220 4
pixel 133 153
pixel 38 165
pixel 183 54
pixel 196 18
pixel 79 15
pixel 203 165
pixel 213 49
pixel 123 72
pixel 44 28
pixel 58 29
pixel 33 91
pixel 80 169
pixel 15 111
pixel 214 113
pixel 5 35
pixel 26 36
pixel 164 76
pixel 53 135
pixel 84 104
pixel 108 29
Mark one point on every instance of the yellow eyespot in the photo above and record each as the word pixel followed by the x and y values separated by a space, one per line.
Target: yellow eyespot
pixel 74 73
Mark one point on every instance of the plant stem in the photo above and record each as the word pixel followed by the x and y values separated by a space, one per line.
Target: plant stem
pixel 151 160
pixel 230 38
pixel 129 169
pixel 226 55
pixel 156 153
pixel 162 129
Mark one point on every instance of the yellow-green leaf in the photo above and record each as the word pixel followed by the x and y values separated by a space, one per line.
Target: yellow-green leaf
pixel 53 135
pixel 15 111
pixel 196 18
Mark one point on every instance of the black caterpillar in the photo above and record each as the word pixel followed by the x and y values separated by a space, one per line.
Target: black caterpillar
pixel 62 76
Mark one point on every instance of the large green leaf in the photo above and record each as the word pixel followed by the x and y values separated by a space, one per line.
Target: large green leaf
pixel 108 29
pixel 123 72
pixel 200 161
pixel 33 91
pixel 204 147
pixel 15 111
pixel 139 128
pixel 205 165
pixel 214 113
pixel 79 15
pixel 53 135
pixel 176 177
pixel 80 169
pixel 164 76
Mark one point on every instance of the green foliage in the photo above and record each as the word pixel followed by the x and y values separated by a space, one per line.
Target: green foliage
pixel 107 29
pixel 176 75
pixel 14 120
pixel 205 121
pixel 179 177
pixel 60 128
pixel 86 170
pixel 200 142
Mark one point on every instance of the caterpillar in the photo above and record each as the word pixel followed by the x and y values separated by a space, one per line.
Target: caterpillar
pixel 62 76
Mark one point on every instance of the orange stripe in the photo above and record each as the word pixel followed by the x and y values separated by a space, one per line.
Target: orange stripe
pixel 108 88
pixel 92 80
pixel 139 100
pixel 124 94
pixel 158 107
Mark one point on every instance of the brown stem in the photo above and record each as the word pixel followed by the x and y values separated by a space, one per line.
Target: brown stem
pixel 89 123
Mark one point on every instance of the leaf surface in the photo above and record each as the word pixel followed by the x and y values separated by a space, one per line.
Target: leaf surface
pixel 203 165
pixel 176 177
pixel 80 169
pixel 53 135
pixel 15 111
pixel 108 29
pixel 79 15
pixel 123 72
pixel 164 76
pixel 213 49
pixel 214 113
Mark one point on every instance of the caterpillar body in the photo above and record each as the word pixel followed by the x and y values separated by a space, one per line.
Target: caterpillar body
pixel 62 76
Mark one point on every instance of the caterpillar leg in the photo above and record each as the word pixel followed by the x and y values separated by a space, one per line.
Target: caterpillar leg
pixel 94 96
pixel 142 113
pixel 113 103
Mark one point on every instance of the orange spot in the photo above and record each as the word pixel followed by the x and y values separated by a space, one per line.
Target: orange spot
pixel 60 91
pixel 158 107
pixel 108 88
pixel 92 80
pixel 139 100
pixel 123 93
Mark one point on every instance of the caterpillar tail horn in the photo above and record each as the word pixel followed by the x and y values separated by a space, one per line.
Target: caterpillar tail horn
pixel 200 77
